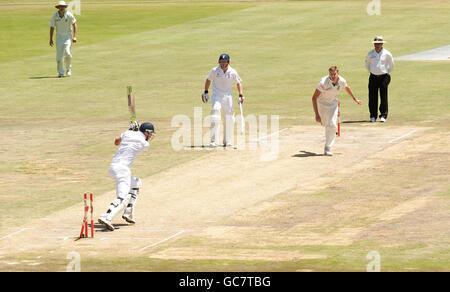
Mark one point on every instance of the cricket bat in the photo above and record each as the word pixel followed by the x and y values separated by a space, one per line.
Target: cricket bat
pixel 242 119
pixel 131 105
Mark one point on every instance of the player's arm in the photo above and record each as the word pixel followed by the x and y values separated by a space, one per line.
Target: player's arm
pixel 241 92
pixel 314 102
pixel 205 95
pixel 350 92
pixel 75 30
pixel 207 84
pixel 52 29
pixel 117 141
pixel 240 88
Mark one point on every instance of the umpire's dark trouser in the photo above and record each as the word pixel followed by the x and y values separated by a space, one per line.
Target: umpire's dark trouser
pixel 380 82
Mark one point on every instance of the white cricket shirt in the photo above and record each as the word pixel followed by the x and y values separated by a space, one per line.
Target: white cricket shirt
pixel 328 91
pixel 63 25
pixel 133 143
pixel 379 63
pixel 222 82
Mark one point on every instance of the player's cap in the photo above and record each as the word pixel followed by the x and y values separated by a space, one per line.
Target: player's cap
pixel 378 40
pixel 61 3
pixel 224 57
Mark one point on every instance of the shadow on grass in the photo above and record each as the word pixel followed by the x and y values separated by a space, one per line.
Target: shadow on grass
pixel 355 122
pixel 307 154
pixel 45 77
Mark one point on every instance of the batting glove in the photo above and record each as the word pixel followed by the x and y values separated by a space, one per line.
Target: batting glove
pixel 205 96
pixel 241 98
pixel 134 126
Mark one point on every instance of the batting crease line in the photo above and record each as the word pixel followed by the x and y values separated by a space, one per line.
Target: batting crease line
pixel 14 233
pixel 403 136
pixel 161 241
pixel 267 136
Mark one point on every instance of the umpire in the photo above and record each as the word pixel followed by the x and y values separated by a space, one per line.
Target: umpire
pixel 380 63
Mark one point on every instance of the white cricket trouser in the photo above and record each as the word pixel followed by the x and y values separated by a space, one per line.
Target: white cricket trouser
pixel 63 54
pixel 222 104
pixel 124 181
pixel 328 115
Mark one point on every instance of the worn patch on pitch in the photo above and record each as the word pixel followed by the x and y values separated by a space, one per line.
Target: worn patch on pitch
pixel 438 54
pixel 200 253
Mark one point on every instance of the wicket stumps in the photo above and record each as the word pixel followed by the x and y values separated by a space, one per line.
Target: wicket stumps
pixel 84 226
pixel 339 119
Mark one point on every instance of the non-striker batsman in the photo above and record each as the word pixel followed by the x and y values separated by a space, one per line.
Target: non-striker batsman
pixel 222 78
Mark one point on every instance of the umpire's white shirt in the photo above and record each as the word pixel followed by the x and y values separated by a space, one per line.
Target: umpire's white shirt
pixel 133 143
pixel 63 25
pixel 328 91
pixel 379 63
pixel 222 82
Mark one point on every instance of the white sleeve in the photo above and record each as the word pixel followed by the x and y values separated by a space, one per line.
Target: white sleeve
pixel 210 76
pixel 390 61
pixel 320 86
pixel 367 62
pixel 72 18
pixel 237 78
pixel 342 82
pixel 52 22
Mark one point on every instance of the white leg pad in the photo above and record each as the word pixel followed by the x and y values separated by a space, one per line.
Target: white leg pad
pixel 116 206
pixel 215 124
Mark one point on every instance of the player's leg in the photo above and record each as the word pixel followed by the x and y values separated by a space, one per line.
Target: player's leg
pixel 215 119
pixel 384 96
pixel 331 129
pixel 373 97
pixel 136 184
pixel 59 57
pixel 328 115
pixel 122 176
pixel 228 129
pixel 68 57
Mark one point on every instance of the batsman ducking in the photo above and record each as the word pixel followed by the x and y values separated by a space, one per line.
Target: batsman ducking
pixel 130 144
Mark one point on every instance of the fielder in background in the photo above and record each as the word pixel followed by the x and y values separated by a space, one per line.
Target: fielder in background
pixel 380 63
pixel 131 143
pixel 63 21
pixel 222 77
pixel 325 104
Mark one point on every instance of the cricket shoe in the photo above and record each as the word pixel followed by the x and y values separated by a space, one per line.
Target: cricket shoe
pixel 60 75
pixel 128 215
pixel 107 223
pixel 69 73
pixel 382 119
pixel 372 120
pixel 213 145
pixel 228 145
pixel 327 152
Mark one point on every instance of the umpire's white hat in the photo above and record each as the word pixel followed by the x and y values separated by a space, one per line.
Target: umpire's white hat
pixel 61 3
pixel 378 40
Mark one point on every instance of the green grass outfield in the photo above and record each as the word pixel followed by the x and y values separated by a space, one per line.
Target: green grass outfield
pixel 57 134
